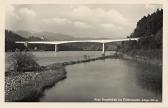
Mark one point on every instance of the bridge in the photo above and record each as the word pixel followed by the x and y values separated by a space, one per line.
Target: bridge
pixel 56 43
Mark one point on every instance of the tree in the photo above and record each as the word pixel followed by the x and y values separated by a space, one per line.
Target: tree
pixel 23 61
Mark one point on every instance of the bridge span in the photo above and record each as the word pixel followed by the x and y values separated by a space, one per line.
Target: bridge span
pixel 56 43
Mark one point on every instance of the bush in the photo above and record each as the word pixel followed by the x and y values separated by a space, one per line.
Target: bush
pixel 23 61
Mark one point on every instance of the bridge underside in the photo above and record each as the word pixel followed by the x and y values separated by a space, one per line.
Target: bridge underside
pixel 57 48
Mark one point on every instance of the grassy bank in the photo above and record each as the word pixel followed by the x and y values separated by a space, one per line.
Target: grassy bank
pixel 89 60
pixel 28 86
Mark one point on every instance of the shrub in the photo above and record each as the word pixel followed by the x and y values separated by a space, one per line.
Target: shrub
pixel 23 61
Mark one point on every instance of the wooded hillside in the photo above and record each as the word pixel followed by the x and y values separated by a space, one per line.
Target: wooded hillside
pixel 149 30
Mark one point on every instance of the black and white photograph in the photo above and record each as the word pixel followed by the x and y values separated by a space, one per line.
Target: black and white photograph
pixel 94 53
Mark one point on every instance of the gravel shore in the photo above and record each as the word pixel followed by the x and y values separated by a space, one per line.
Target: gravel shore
pixel 28 86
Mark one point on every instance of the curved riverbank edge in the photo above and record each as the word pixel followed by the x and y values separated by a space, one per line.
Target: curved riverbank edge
pixel 89 60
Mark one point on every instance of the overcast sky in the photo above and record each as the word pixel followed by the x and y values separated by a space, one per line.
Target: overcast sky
pixel 106 21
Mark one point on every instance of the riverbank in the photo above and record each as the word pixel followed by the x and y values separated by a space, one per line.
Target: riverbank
pixel 89 59
pixel 141 58
pixel 28 86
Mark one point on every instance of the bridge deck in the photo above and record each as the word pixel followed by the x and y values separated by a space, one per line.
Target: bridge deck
pixel 62 42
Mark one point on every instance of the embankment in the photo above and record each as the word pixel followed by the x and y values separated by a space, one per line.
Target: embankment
pixel 89 60
pixel 143 59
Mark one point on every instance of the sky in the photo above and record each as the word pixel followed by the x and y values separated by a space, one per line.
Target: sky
pixel 113 21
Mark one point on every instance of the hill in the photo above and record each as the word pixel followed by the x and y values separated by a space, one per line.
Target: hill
pixel 10 38
pixel 45 35
pixel 149 30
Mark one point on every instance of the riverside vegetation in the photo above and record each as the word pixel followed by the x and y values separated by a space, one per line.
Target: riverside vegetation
pixel 27 80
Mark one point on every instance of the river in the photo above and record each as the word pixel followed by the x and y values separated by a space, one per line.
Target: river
pixel 107 80
pixel 101 80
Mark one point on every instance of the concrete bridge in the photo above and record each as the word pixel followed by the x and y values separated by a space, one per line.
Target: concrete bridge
pixel 56 43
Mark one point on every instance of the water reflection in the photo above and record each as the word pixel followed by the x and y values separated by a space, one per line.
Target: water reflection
pixel 149 77
pixel 111 78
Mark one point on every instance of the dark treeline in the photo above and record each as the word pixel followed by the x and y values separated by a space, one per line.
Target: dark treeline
pixel 10 38
pixel 149 25
pixel 149 30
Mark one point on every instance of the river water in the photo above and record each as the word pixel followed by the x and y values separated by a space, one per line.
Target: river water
pixel 48 57
pixel 107 80
pixel 101 80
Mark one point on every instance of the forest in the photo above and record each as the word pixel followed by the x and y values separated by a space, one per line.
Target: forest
pixel 149 30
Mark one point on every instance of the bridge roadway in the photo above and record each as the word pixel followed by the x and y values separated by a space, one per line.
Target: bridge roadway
pixel 75 41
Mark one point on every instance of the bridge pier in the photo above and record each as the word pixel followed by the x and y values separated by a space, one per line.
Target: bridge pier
pixel 56 48
pixel 103 49
pixel 26 44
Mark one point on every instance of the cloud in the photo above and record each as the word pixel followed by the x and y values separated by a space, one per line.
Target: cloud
pixel 108 26
pixel 57 20
pixel 81 24
pixel 116 17
pixel 111 27
pixel 64 21
pixel 25 13
pixel 82 12
pixel 22 14
pixel 84 17
pixel 22 18
pixel 81 20
pixel 98 15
